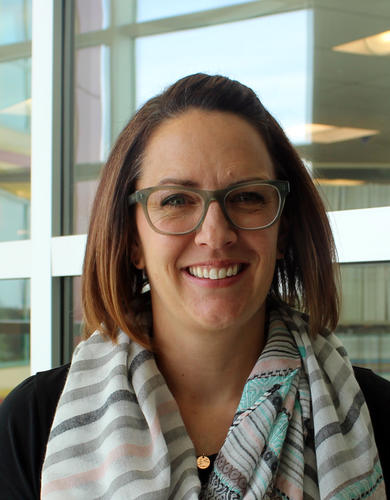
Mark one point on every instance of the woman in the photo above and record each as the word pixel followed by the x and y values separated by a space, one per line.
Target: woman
pixel 196 377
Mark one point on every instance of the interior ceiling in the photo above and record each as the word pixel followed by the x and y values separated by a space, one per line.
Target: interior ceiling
pixel 351 90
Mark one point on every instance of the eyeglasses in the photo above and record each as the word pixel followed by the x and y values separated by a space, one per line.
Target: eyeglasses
pixel 178 210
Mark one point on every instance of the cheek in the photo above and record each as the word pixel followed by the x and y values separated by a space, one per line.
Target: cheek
pixel 265 244
pixel 159 254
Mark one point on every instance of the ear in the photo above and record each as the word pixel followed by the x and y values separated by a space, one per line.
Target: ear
pixel 137 255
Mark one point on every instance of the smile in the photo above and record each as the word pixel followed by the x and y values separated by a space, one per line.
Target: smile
pixel 213 273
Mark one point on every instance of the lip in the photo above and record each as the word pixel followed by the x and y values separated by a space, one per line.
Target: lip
pixel 217 263
pixel 218 283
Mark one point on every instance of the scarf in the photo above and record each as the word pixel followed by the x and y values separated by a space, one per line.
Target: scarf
pixel 301 430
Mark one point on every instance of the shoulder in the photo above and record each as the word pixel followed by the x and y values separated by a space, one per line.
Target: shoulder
pixel 26 416
pixel 376 392
pixel 45 385
pixel 376 389
pixel 39 392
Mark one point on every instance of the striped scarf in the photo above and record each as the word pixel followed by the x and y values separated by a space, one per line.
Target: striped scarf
pixel 301 430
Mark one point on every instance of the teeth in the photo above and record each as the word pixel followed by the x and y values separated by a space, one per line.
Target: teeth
pixel 222 273
pixel 214 273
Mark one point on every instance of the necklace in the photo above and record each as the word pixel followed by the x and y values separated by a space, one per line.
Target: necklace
pixel 203 462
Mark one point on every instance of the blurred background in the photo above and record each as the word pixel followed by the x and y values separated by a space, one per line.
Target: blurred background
pixel 321 67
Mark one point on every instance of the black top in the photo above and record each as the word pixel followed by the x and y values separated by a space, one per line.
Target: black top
pixel 27 413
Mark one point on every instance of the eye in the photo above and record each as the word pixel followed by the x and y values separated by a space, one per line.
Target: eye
pixel 246 197
pixel 178 200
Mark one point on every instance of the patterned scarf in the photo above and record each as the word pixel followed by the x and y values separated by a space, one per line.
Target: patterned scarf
pixel 302 428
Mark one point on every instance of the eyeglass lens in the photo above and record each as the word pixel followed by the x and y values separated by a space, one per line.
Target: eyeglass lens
pixel 176 210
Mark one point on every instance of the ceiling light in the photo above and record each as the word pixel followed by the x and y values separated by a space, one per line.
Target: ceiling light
pixel 307 133
pixel 375 45
pixel 20 108
pixel 339 182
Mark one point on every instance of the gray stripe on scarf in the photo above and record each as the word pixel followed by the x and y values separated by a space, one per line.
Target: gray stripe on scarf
pixel 258 429
pixel 246 461
pixel 342 351
pixel 92 445
pixel 321 402
pixel 89 364
pixel 174 434
pixel 92 416
pixel 248 456
pixel 139 475
pixel 138 361
pixel 362 477
pixel 149 386
pixel 295 444
pixel 281 343
pixel 291 471
pixel 315 375
pixel 345 456
pixel 156 495
pixel 89 390
pixel 344 427
pixel 340 379
pixel 183 456
pixel 310 472
pixel 189 494
pixel 324 353
pixel 306 496
pixel 186 474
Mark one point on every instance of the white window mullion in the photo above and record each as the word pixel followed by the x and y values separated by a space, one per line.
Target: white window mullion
pixel 41 182
pixel 15 259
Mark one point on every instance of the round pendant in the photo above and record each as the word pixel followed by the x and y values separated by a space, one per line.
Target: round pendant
pixel 203 462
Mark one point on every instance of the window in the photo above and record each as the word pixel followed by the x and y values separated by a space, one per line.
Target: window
pixel 14 333
pixel 96 61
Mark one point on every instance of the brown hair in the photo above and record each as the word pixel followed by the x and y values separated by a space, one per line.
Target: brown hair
pixel 112 286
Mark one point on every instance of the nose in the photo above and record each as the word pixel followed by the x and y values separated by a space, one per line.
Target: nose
pixel 215 231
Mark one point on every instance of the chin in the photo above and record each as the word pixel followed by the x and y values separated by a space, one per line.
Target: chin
pixel 221 318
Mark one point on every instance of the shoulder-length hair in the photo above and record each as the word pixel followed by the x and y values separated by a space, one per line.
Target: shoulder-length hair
pixel 112 286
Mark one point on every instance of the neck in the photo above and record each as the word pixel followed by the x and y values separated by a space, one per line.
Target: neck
pixel 208 367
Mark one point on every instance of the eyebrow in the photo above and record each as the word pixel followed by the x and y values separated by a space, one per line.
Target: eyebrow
pixel 181 182
pixel 189 183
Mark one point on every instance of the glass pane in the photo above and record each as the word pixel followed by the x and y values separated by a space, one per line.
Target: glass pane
pixel 73 316
pixel 348 141
pixel 14 333
pixel 103 96
pixel 279 73
pixel 92 128
pixel 331 99
pixel 15 117
pixel 347 194
pixel 364 326
pixel 91 15
pixel 15 21
pixel 155 9
pixel 77 313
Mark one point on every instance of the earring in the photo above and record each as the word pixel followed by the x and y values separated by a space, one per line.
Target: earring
pixel 145 282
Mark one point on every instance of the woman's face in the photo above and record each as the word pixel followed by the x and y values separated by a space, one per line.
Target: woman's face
pixel 208 150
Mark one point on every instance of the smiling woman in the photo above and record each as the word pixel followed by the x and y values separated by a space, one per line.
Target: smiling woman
pixel 212 150
pixel 207 368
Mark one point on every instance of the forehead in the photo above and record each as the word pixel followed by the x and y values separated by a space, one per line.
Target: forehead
pixel 209 148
